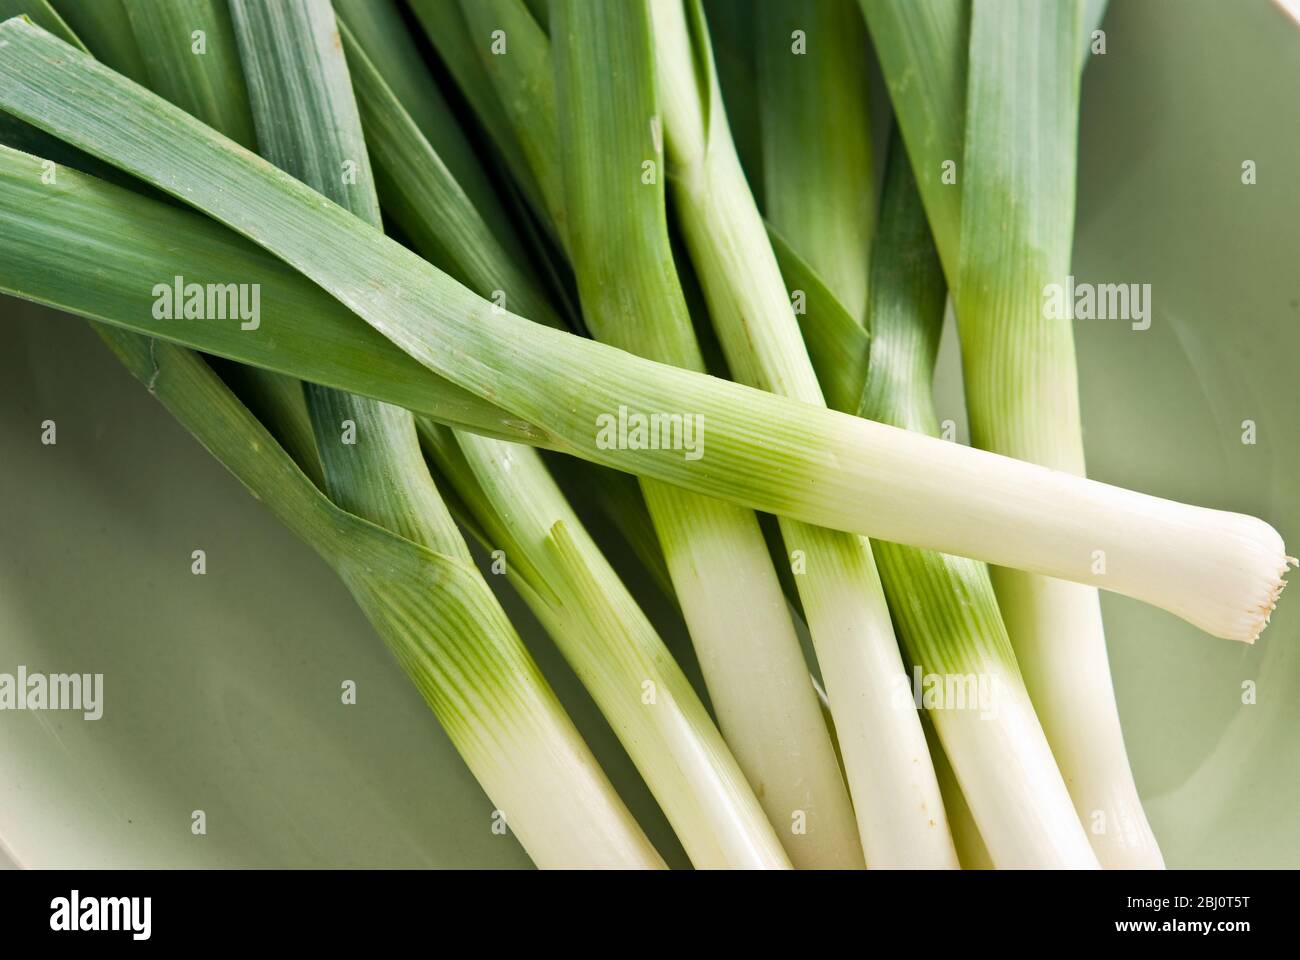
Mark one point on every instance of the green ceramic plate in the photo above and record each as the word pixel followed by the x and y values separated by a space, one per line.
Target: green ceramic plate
pixel 222 691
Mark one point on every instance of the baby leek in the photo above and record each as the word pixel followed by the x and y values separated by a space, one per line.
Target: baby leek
pixel 613 648
pixel 302 107
pixel 441 622
pixel 985 117
pixel 453 641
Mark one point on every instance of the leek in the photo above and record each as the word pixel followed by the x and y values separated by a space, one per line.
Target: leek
pixel 439 619
pixel 613 648
pixel 377 28
pixel 307 116
pixel 574 170
pixel 922 45
pixel 502 33
pixel 114 42
pixel 446 29
pixel 1056 628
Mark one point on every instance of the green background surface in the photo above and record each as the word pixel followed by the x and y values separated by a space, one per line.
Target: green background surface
pixel 222 692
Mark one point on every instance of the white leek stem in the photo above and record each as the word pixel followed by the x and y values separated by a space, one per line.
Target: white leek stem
pixel 1061 646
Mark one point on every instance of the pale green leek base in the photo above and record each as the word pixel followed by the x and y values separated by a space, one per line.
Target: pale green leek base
pixel 612 647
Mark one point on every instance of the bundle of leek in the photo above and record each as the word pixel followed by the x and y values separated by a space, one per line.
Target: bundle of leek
pixel 577 107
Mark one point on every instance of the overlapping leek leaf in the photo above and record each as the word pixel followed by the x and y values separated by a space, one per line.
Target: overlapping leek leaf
pixel 943 607
pixel 308 122
pixel 377 28
pixel 105 28
pixel 189 55
pixel 514 52
pixel 23 136
pixel 492 477
pixel 99 251
pixel 733 29
pixel 631 297
pixel 812 95
pixel 613 648
pixel 427 201
pixel 42 14
pixel 497 52
pixel 617 496
pixel 1056 629
pixel 764 451
pixel 839 346
pixel 303 109
pixel 445 27
pixel 169 242
pixel 922 45
pixel 840 350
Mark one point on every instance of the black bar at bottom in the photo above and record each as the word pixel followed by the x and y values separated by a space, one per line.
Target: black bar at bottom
pixel 446 909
